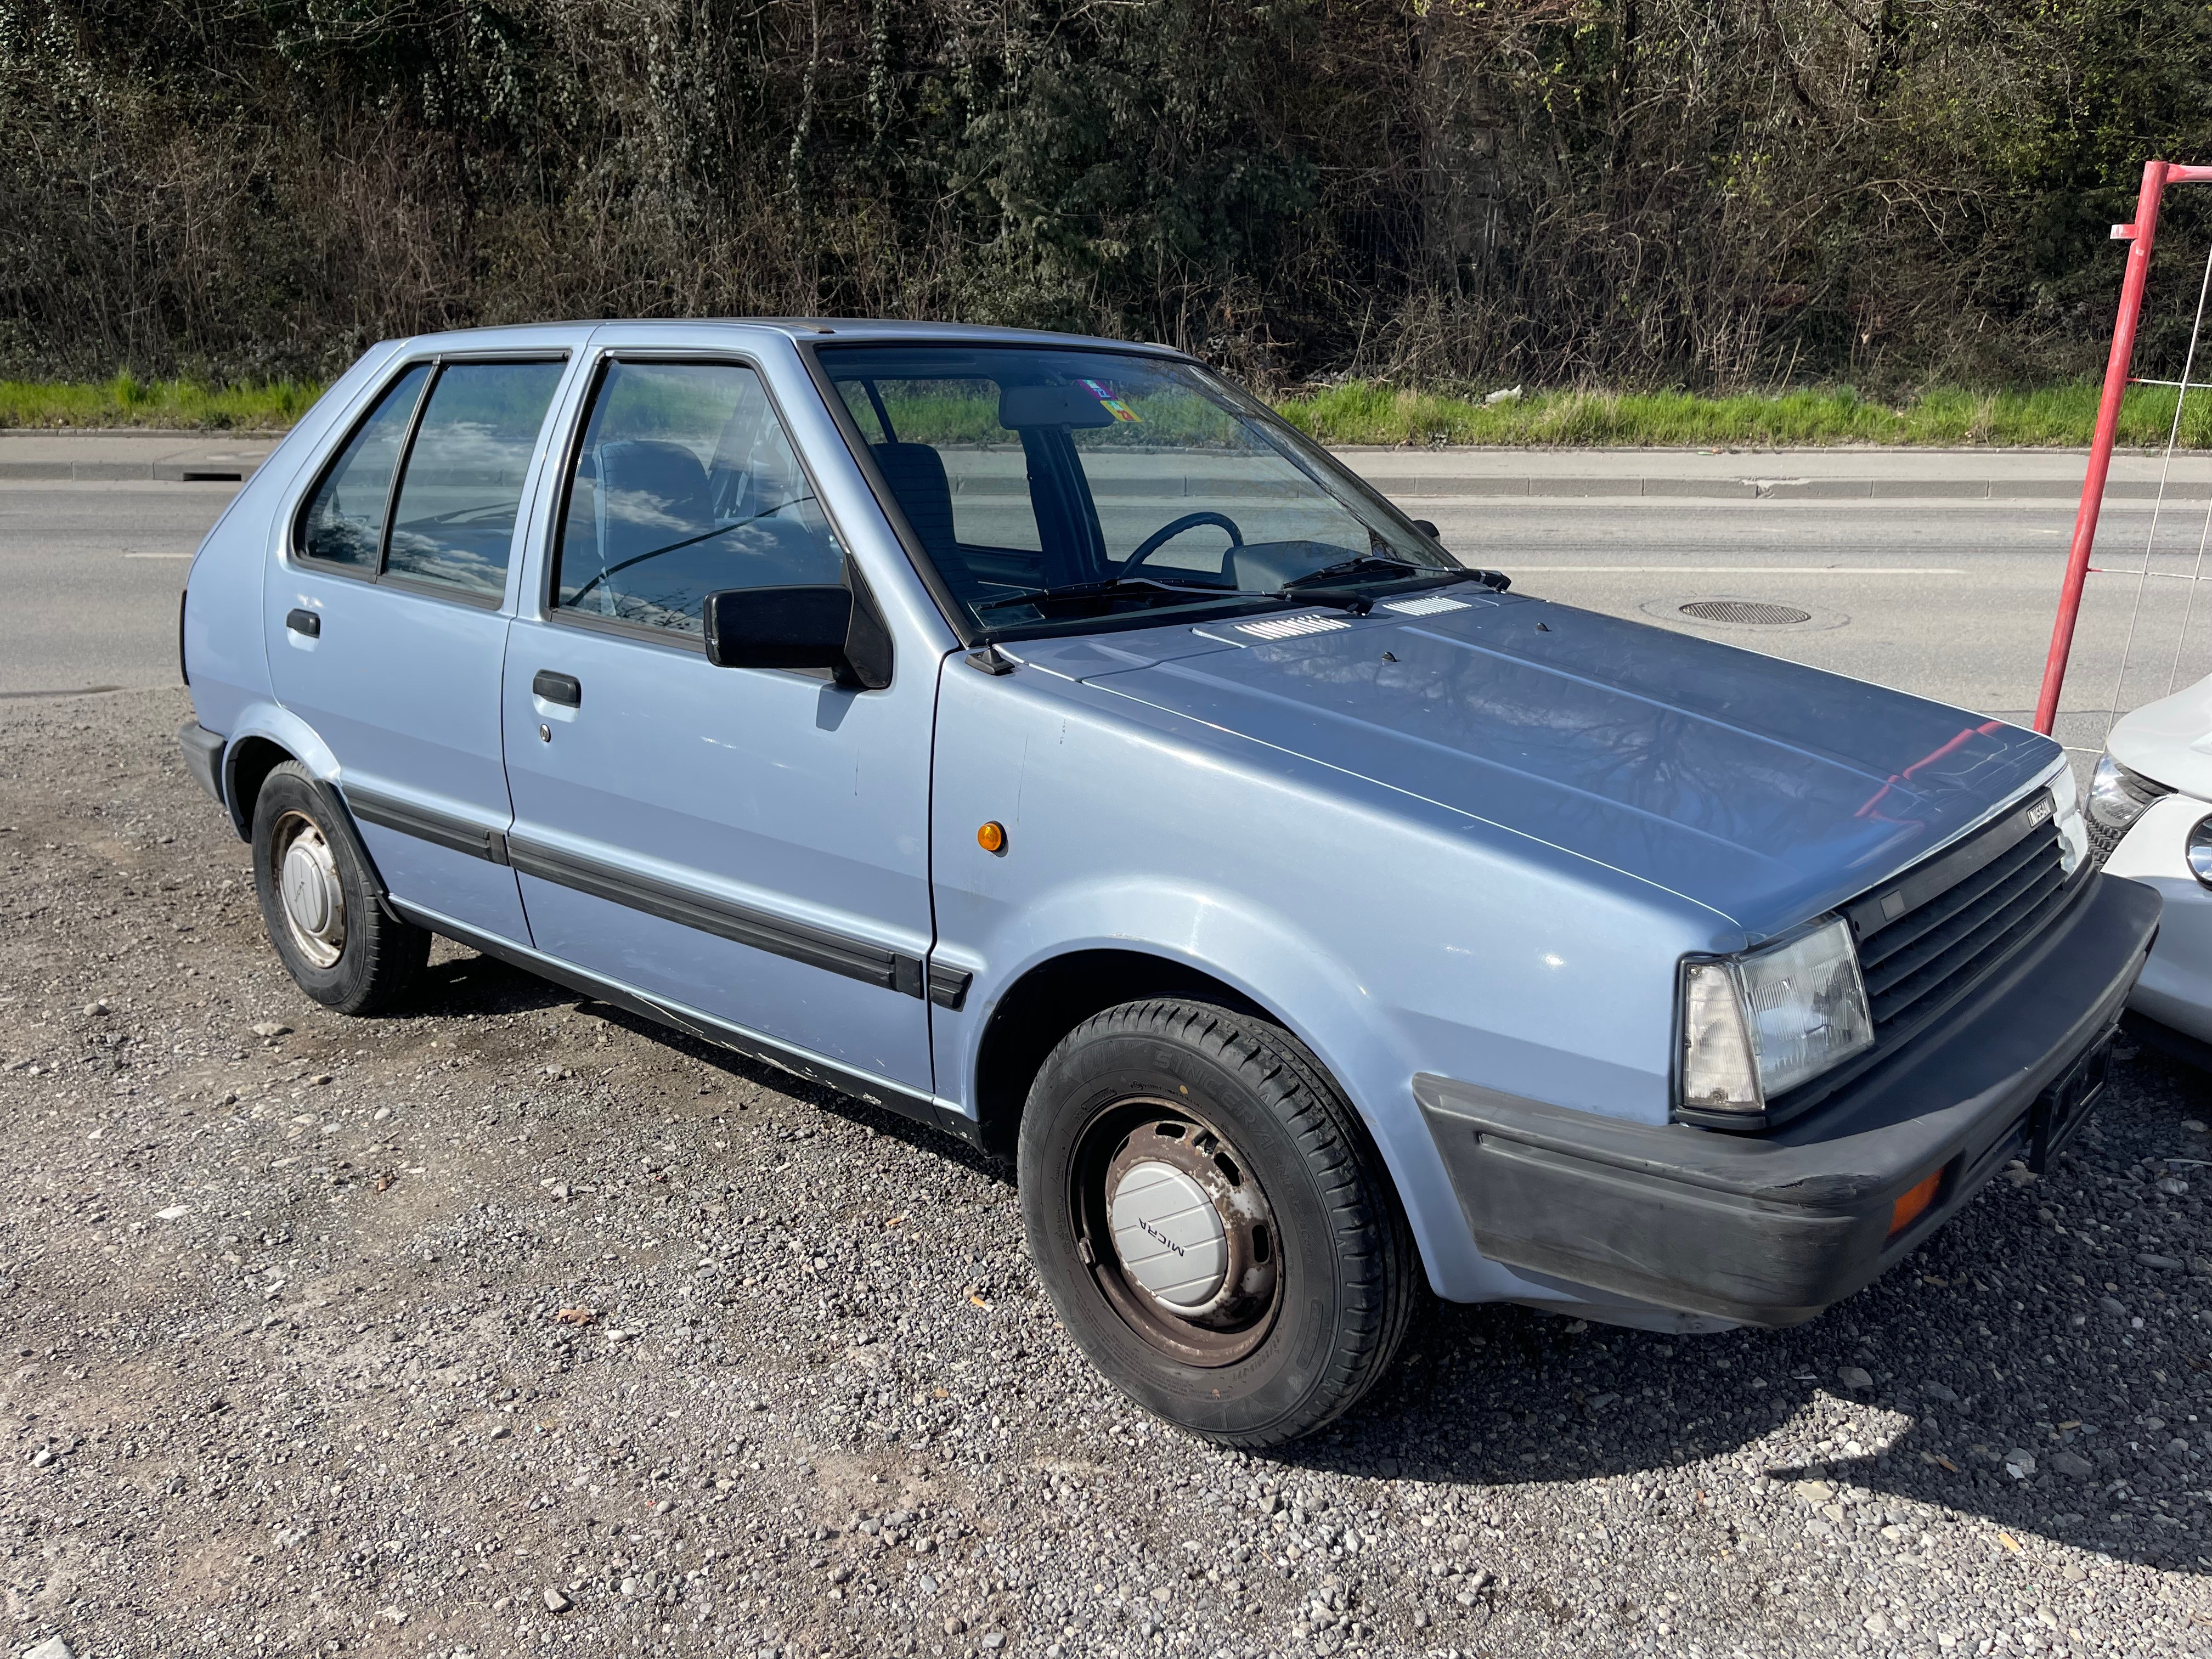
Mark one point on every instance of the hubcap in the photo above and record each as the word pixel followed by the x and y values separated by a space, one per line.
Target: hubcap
pixel 1169 1235
pixel 308 888
pixel 1176 1232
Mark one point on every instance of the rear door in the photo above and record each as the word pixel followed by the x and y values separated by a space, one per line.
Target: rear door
pixel 750 844
pixel 387 622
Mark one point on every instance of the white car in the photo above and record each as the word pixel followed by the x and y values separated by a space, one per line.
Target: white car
pixel 2150 818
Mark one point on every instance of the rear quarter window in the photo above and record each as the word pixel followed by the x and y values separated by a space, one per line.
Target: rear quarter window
pixel 344 521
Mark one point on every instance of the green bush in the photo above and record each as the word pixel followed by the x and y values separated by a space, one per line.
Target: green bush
pixel 1725 195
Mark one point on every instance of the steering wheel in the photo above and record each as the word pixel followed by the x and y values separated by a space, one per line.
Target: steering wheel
pixel 1166 532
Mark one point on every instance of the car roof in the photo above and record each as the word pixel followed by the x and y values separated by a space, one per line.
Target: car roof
pixel 807 330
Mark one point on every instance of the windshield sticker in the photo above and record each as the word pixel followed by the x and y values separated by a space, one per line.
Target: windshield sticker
pixel 1106 401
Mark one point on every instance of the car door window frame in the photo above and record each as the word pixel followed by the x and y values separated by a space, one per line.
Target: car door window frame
pixel 549 607
pixel 438 363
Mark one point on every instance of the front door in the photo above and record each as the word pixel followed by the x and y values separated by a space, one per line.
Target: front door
pixel 388 624
pixel 748 844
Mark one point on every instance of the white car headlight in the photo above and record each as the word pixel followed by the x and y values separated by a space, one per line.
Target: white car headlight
pixel 2117 796
pixel 1756 1025
pixel 2066 811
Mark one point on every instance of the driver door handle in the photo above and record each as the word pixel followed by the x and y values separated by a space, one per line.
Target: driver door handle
pixel 565 689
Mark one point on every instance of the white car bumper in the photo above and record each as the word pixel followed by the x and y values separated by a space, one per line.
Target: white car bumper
pixel 2176 987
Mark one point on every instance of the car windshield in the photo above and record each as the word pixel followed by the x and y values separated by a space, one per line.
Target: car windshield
pixel 1059 490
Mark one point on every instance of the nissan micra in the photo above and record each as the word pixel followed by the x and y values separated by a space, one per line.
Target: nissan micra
pixel 1036 737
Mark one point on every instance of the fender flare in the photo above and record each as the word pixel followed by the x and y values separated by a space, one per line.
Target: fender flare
pixel 279 728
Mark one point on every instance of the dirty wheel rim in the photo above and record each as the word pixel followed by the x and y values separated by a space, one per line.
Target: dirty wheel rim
pixel 1176 1232
pixel 308 888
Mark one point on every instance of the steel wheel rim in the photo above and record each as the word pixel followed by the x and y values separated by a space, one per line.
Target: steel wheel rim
pixel 309 891
pixel 1202 1287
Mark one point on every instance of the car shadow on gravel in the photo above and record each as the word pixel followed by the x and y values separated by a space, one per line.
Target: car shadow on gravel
pixel 469 984
pixel 2053 1381
pixel 1601 1403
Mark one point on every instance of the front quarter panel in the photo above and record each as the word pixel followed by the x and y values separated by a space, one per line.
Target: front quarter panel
pixel 1393 935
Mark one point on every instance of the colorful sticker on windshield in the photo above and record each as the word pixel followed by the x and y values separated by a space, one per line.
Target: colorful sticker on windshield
pixel 1106 401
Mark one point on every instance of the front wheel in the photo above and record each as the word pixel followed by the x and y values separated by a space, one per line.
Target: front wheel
pixel 1211 1222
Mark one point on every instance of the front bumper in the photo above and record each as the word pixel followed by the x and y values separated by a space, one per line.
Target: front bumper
pixel 1771 1229
pixel 2176 987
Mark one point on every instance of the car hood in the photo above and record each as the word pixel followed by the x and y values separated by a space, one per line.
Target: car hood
pixel 1761 789
pixel 2170 741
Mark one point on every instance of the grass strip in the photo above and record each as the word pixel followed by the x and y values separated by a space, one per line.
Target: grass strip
pixel 1364 412
pixel 128 401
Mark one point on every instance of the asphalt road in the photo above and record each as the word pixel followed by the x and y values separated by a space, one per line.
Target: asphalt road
pixel 89 574
pixel 1953 599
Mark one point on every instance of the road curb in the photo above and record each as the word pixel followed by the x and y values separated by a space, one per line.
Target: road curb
pixel 126 472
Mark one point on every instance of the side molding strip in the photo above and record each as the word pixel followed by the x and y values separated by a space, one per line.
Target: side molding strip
pixel 837 953
pixel 808 1067
pixel 948 987
pixel 440 828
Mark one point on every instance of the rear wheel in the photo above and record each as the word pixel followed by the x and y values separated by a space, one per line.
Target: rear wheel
pixel 337 942
pixel 1211 1222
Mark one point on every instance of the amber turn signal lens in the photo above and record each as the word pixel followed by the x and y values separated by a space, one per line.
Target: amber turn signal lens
pixel 992 837
pixel 1912 1205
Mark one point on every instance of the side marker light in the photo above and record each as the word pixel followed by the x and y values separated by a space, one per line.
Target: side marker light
pixel 992 837
pixel 1913 1204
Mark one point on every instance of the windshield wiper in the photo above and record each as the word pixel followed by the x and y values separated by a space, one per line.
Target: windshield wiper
pixel 1376 566
pixel 1124 588
pixel 1364 563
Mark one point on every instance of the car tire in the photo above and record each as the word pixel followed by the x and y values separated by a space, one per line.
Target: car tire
pixel 1211 1221
pixel 341 946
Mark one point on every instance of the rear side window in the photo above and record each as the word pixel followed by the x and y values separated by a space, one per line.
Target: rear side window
pixel 344 521
pixel 454 524
pixel 686 484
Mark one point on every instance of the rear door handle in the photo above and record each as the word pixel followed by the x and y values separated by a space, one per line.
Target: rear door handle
pixel 305 622
pixel 563 689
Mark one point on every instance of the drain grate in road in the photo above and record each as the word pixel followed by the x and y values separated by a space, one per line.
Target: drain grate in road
pixel 1744 610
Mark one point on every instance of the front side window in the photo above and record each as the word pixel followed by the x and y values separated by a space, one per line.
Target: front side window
pixel 453 526
pixel 686 484
pixel 343 523
pixel 1055 490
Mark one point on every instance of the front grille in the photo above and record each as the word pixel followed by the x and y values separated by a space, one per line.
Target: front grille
pixel 2102 841
pixel 1937 930
pixel 1926 938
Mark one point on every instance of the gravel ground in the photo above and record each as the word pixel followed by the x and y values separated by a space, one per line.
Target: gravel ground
pixel 509 1325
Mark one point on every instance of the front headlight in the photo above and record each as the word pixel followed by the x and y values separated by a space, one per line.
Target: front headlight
pixel 2117 796
pixel 1757 1025
pixel 2066 812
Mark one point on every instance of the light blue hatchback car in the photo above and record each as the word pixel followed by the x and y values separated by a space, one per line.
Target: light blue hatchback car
pixel 1034 736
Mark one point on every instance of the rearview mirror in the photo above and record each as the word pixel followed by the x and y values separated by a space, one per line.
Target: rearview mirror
pixel 1021 406
pixel 813 627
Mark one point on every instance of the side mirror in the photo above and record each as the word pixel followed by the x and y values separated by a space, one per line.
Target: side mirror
pixel 814 627
pixel 1427 527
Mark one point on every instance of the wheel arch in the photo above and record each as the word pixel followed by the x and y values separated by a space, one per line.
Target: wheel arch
pixel 1054 997
pixel 247 765
pixel 247 762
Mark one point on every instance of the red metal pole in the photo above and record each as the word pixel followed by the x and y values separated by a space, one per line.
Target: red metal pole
pixel 2108 421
